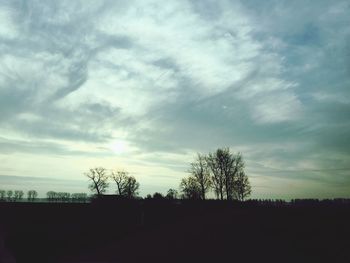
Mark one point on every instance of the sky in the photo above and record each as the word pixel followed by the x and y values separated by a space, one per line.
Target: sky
pixel 145 85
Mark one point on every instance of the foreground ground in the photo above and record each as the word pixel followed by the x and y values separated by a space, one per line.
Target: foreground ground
pixel 173 232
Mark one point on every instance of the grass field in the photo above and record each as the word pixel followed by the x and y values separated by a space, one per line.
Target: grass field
pixel 139 231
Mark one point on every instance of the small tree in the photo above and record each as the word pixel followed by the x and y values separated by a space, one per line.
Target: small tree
pixel 132 187
pixel 98 180
pixel 157 196
pixel 32 195
pixel 172 194
pixel 79 197
pixel 51 196
pixel 18 195
pixel 9 194
pixel 190 188
pixel 2 195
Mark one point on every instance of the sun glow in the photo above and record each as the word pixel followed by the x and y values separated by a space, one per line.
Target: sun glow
pixel 119 147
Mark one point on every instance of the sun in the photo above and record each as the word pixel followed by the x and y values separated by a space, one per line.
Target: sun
pixel 119 147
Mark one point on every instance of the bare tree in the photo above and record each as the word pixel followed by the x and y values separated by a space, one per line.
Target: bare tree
pixel 121 179
pixel 127 186
pixel 32 195
pixel 217 175
pixel 190 188
pixel 242 188
pixel 225 167
pixel 200 171
pixel 98 180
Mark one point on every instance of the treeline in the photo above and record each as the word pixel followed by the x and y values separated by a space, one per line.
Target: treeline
pixel 52 196
pixel 221 172
pixel 17 195
pixel 125 185
pixel 32 196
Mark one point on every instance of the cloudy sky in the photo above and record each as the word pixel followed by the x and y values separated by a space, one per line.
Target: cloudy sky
pixel 144 85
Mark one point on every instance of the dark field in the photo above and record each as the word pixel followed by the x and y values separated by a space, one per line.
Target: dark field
pixel 165 231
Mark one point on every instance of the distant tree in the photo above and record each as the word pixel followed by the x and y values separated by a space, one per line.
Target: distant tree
pixel 157 196
pixel 98 180
pixel 63 196
pixel 2 195
pixel 9 194
pixel 172 194
pixel 127 186
pixel 32 195
pixel 200 171
pixel 79 197
pixel 18 195
pixel 241 185
pixel 190 188
pixel 51 196
pixel 148 196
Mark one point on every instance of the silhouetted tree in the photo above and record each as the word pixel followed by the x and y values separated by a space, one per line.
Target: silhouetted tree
pixel 225 167
pixel 158 196
pixel 172 194
pixel 241 185
pixel 98 179
pixel 190 188
pixel 32 195
pixel 127 186
pixel 132 187
pixel 51 196
pixel 9 194
pixel 18 195
pixel 63 196
pixel 121 179
pixel 218 178
pixel 2 195
pixel 79 197
pixel 200 171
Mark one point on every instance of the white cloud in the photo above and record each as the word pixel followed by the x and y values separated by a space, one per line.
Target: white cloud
pixel 8 28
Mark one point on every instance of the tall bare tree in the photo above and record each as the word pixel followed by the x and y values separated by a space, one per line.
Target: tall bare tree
pixel 225 168
pixel 99 180
pixel 217 175
pixel 121 180
pixel 200 171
